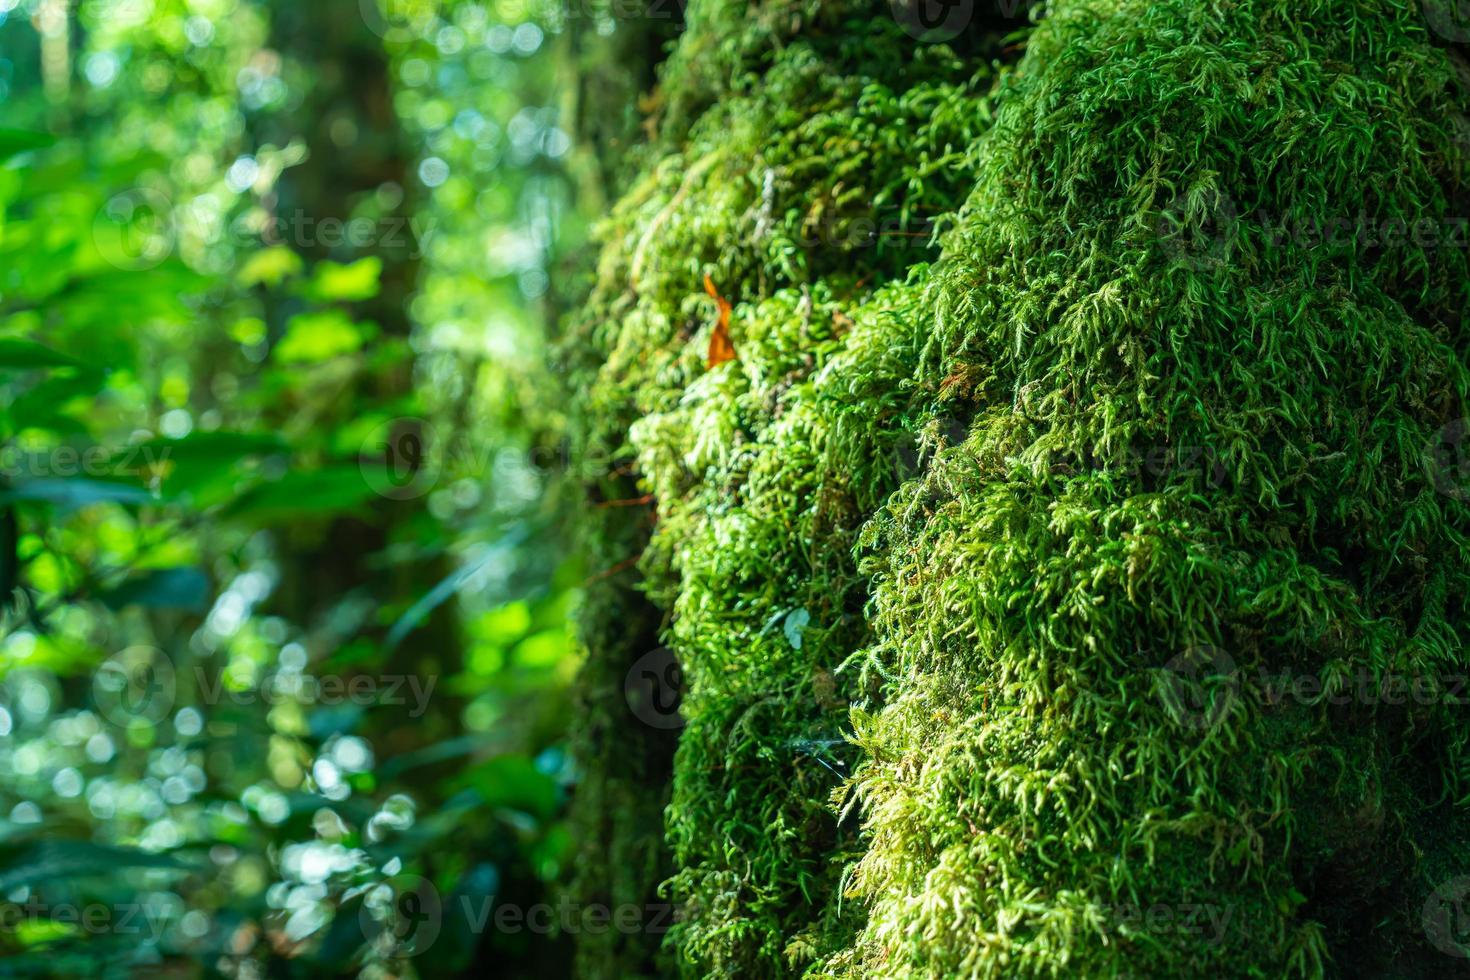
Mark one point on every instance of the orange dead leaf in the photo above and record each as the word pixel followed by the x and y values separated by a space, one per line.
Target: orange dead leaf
pixel 721 347
pixel 961 380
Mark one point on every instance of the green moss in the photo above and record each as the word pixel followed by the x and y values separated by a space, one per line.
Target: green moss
pixel 1124 429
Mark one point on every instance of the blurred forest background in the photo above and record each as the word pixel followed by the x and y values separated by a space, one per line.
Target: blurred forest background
pixel 285 655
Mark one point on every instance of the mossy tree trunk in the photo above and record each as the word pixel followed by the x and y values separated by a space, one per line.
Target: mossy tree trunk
pixel 1087 472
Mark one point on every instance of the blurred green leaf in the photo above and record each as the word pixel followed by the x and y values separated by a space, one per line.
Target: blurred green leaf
pixel 41 405
pixel 503 624
pixel 16 352
pixel 542 650
pixel 75 492
pixel 335 281
pixel 269 266
pixel 329 490
pixel 450 585
pixel 202 459
pixel 217 446
pixel 42 932
pixel 15 141
pixel 320 336
pixel 439 752
pixel 512 781
pixel 50 860
pixel 164 588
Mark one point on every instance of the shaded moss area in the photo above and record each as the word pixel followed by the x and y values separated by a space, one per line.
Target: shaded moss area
pixel 1077 484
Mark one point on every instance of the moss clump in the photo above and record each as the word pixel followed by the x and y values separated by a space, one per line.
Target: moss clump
pixel 799 192
pixel 985 574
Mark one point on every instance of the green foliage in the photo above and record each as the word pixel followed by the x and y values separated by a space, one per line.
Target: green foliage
pixel 198 382
pixel 1135 412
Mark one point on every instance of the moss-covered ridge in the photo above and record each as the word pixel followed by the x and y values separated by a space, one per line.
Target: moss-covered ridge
pixel 814 174
pixel 1143 442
